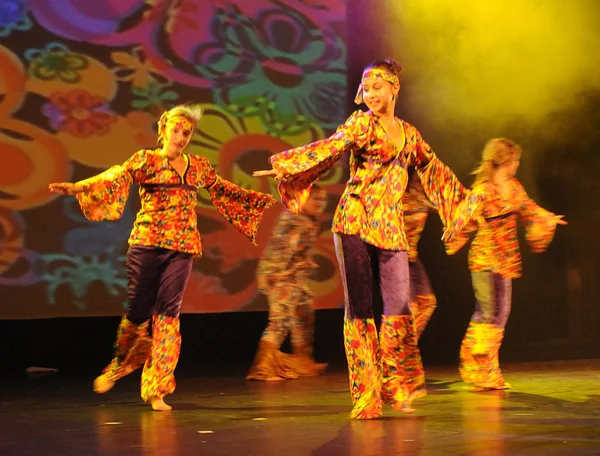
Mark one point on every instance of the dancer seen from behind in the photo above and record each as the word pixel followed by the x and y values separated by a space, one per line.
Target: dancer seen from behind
pixel 368 226
pixel 162 245
pixel 497 201
pixel 283 276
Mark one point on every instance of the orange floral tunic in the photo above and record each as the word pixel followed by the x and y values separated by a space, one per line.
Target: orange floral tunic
pixel 371 205
pixel 167 217
pixel 495 246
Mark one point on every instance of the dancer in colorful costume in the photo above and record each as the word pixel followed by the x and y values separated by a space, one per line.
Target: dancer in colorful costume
pixel 282 275
pixel 416 208
pixel 497 201
pixel 368 226
pixel 162 245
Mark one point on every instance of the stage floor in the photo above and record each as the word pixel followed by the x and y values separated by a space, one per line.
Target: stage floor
pixel 553 409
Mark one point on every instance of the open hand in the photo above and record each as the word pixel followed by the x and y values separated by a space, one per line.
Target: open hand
pixel 264 173
pixel 559 220
pixel 65 188
pixel 448 234
pixel 268 173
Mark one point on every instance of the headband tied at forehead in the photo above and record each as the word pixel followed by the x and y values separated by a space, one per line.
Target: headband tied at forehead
pixel 372 74
pixel 181 122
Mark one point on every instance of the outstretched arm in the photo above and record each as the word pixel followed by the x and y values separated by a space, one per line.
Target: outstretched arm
pixel 65 188
pixel 104 196
pixel 440 184
pixel 267 173
pixel 242 208
pixel 296 169
pixel 540 224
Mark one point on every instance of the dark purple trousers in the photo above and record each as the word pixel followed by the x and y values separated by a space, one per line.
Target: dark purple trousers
pixel 419 280
pixel 493 296
pixel 156 281
pixel 355 258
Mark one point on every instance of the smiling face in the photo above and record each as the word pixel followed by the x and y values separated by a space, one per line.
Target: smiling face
pixel 379 95
pixel 378 90
pixel 177 135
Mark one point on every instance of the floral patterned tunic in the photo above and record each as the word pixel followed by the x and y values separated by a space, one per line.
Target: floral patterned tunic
pixel 496 246
pixel 371 205
pixel 167 217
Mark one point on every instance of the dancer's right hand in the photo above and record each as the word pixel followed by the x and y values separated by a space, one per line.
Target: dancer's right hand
pixel 65 188
pixel 559 220
pixel 264 173
pixel 268 173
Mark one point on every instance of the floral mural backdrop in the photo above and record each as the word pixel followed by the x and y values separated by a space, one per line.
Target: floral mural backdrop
pixel 82 84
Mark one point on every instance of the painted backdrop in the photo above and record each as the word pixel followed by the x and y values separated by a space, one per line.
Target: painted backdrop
pixel 82 84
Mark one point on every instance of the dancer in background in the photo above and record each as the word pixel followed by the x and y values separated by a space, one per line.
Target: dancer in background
pixel 162 244
pixel 282 275
pixel 367 225
pixel 416 208
pixel 496 202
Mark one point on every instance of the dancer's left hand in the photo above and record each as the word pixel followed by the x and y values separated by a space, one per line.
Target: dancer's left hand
pixel 559 220
pixel 448 235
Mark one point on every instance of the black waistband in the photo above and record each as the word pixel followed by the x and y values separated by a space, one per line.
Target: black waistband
pixel 154 187
pixel 500 217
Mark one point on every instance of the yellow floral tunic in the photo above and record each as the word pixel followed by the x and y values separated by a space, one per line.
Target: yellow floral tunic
pixel 167 217
pixel 495 247
pixel 371 205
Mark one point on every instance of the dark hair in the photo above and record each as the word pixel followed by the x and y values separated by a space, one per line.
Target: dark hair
pixel 389 64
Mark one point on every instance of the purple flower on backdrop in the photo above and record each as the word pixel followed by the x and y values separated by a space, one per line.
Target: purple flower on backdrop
pixel 13 16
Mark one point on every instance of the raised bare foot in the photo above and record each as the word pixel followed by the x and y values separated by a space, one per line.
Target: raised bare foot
pixel 102 384
pixel 158 404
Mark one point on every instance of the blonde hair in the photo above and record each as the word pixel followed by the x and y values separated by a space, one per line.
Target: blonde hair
pixel 496 152
pixel 193 113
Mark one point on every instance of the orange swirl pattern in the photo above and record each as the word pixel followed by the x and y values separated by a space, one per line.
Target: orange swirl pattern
pixel 81 91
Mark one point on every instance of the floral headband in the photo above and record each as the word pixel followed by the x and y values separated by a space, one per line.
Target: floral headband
pixel 374 73
pixel 179 121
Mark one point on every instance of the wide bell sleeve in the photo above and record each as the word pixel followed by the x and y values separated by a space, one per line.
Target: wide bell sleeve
pixel 442 188
pixel 242 208
pixel 458 240
pixel 540 224
pixel 303 165
pixel 105 195
pixel 464 220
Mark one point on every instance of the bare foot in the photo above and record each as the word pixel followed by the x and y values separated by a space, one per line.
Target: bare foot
pixel 159 405
pixel 275 378
pixel 407 409
pixel 103 384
